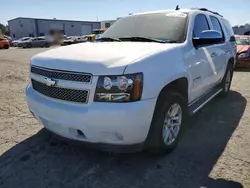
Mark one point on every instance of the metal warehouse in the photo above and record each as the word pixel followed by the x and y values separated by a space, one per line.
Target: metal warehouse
pixel 33 27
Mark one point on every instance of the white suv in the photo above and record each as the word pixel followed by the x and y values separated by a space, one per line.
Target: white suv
pixel 133 88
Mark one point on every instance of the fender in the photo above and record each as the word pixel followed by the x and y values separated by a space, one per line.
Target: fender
pixel 159 69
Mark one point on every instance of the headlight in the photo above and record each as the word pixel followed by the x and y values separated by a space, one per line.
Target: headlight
pixel 244 55
pixel 121 88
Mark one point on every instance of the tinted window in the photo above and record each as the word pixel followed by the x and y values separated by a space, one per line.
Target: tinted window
pixel 229 31
pixel 200 25
pixel 243 41
pixel 216 24
pixel 40 39
pixel 107 25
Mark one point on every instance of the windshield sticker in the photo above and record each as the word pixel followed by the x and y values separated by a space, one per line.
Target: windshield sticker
pixel 174 14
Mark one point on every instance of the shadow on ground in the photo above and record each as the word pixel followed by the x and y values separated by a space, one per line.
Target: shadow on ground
pixel 45 161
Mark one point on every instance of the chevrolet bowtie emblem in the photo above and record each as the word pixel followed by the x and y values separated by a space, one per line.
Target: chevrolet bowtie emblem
pixel 50 82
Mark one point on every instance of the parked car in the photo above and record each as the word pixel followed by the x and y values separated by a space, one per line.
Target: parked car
pixel 83 38
pixel 9 39
pixel 134 88
pixel 68 40
pixel 35 42
pixel 16 42
pixel 95 33
pixel 74 40
pixel 243 51
pixel 4 43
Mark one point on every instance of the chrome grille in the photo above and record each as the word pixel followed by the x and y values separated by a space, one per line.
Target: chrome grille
pixel 64 75
pixel 72 95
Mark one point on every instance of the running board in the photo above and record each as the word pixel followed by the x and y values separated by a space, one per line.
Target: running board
pixel 202 101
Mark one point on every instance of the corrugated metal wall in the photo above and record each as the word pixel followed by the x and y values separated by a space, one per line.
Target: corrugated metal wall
pixel 23 27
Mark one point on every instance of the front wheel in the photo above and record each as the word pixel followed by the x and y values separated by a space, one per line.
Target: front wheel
pixel 28 46
pixel 166 124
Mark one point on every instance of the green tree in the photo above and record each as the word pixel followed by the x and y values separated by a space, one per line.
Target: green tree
pixel 4 29
pixel 247 25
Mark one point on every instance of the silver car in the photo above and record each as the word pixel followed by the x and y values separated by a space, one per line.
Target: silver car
pixel 35 42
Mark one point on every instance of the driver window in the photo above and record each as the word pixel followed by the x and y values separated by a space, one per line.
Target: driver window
pixel 200 24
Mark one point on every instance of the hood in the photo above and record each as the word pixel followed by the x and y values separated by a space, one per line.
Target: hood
pixel 243 48
pixel 98 58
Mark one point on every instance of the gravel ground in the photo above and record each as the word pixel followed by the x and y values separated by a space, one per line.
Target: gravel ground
pixel 214 151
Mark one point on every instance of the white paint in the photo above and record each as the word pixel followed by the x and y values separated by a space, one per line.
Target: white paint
pixel 174 14
pixel 160 65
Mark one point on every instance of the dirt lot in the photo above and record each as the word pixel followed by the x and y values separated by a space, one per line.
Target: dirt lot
pixel 214 151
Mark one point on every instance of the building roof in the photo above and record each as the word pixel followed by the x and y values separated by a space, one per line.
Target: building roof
pixel 52 20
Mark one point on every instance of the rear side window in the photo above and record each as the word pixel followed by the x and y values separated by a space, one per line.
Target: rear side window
pixel 229 31
pixel 216 25
pixel 200 24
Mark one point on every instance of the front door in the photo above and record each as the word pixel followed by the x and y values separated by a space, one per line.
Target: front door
pixel 201 62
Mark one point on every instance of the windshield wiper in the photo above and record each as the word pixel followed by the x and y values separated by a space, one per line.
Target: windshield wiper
pixel 142 39
pixel 108 39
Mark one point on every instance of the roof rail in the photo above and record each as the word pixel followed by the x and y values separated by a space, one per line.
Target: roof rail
pixel 204 9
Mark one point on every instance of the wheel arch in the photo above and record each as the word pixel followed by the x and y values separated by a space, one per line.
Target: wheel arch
pixel 232 61
pixel 180 85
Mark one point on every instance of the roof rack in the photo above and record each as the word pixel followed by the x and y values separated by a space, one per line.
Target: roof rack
pixel 204 9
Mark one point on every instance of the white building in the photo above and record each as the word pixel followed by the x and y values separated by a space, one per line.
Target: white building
pixel 107 23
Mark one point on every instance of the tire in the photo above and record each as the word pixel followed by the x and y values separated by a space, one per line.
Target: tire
pixel 227 80
pixel 159 126
pixel 47 45
pixel 28 46
pixel 6 46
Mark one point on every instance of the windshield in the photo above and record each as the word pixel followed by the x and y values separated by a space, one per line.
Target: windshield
pixel 243 41
pixel 167 26
pixel 24 39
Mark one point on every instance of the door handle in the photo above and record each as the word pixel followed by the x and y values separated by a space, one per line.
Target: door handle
pixel 213 54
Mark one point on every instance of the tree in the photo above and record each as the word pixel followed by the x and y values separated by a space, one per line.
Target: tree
pixel 247 25
pixel 4 29
pixel 235 27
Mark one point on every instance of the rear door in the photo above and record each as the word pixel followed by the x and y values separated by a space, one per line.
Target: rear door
pixel 41 42
pixel 218 51
pixel 35 42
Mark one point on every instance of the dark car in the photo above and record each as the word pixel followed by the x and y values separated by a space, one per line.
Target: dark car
pixel 35 42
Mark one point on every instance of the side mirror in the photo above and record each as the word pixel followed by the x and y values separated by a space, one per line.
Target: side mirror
pixel 208 37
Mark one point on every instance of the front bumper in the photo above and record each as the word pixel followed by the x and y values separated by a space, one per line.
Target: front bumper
pixel 117 124
pixel 242 63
